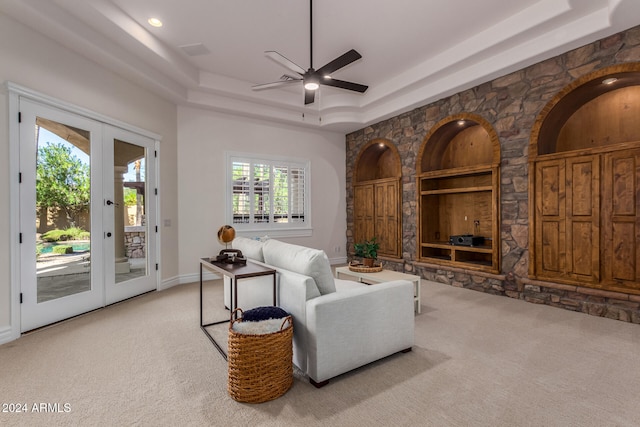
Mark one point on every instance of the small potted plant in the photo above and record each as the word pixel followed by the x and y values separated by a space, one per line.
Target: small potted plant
pixel 367 250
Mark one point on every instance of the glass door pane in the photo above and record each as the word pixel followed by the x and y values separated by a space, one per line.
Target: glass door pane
pixel 130 212
pixel 63 210
pixel 61 223
pixel 130 222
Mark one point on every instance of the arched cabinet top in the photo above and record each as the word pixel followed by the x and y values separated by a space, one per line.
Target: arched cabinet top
pixel 598 109
pixel 378 159
pixel 459 141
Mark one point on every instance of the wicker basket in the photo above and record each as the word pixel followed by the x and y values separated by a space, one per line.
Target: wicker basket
pixel 360 268
pixel 260 366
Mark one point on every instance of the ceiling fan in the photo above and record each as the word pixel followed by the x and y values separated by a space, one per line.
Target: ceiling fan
pixel 312 79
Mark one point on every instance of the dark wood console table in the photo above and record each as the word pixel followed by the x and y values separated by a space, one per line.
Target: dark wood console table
pixel 235 272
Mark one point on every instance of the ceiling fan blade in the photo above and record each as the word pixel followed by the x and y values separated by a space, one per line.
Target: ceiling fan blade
pixel 339 62
pixel 309 96
pixel 344 85
pixel 274 84
pixel 275 56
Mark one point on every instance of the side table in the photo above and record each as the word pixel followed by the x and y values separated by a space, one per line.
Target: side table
pixel 384 276
pixel 234 272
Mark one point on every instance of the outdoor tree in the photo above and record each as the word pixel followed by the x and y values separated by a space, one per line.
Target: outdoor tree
pixel 130 197
pixel 62 181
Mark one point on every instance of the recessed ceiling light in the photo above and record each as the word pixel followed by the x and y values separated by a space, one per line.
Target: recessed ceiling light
pixel 460 122
pixel 610 80
pixel 155 22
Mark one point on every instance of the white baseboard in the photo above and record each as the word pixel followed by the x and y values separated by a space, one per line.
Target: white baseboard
pixel 169 283
pixel 6 334
pixel 187 278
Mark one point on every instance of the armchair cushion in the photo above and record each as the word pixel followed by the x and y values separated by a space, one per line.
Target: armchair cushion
pixel 250 248
pixel 353 327
pixel 301 260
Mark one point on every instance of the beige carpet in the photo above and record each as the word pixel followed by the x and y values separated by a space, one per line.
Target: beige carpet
pixel 479 360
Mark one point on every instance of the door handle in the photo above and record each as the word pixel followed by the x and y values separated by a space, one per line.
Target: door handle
pixel 109 234
pixel 109 203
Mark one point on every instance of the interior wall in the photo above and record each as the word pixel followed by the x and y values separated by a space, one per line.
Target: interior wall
pixel 33 61
pixel 205 136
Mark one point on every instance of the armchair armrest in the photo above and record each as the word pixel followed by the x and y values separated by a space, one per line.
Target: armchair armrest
pixel 293 292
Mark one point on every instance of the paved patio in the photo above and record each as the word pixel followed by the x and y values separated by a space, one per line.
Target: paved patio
pixel 64 275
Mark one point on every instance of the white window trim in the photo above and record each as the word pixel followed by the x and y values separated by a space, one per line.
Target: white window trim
pixel 271 230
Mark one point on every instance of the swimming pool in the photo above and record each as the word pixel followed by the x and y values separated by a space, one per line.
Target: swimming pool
pixel 78 246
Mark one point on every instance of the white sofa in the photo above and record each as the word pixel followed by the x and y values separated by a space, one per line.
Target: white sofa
pixel 338 325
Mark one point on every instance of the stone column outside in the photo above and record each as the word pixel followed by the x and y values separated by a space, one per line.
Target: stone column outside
pixel 122 262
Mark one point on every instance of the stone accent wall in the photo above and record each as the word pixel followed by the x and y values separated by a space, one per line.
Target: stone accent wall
pixel 135 242
pixel 511 104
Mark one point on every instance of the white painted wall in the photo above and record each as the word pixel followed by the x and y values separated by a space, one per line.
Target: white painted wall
pixel 204 137
pixel 191 172
pixel 33 61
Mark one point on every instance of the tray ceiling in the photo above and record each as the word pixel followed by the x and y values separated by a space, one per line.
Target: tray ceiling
pixel 209 53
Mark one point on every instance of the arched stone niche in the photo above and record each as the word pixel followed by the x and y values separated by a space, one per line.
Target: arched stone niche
pixel 378 197
pixel 589 113
pixel 378 159
pixel 459 141
pixel 584 156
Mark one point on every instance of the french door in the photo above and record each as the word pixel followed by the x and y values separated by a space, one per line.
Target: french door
pixel 87 214
pixel 130 186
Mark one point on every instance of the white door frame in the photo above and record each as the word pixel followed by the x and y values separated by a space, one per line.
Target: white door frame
pixel 35 314
pixel 15 92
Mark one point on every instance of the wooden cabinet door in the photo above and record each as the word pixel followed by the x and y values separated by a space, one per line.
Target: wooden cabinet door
pixel 376 213
pixel 387 216
pixel 363 212
pixel 621 219
pixel 550 218
pixel 583 218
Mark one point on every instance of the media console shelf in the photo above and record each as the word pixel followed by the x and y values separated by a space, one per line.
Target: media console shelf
pixel 458 182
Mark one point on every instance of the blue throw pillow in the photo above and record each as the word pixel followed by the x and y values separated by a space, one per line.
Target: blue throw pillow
pixel 263 313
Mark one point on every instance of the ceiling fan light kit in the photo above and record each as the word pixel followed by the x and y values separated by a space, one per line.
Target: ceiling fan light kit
pixel 311 85
pixel 311 78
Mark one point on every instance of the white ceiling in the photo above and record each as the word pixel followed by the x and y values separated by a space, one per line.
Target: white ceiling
pixel 414 51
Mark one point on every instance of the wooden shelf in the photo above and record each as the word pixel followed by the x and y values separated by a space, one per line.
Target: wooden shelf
pixel 455 172
pixel 446 245
pixel 458 190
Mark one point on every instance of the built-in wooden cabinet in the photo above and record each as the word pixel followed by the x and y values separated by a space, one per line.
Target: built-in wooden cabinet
pixel 458 182
pixel 587 220
pixel 377 197
pixel 585 163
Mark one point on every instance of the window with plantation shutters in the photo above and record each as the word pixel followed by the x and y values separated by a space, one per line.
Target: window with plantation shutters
pixel 267 194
